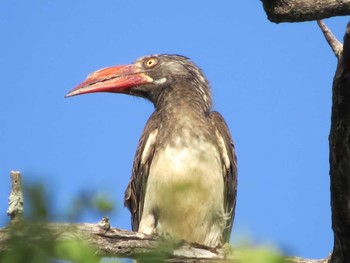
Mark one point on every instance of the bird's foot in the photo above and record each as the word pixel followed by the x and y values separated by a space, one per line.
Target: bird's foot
pixel 164 235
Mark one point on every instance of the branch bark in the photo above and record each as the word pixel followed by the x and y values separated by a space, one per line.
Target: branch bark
pixel 304 10
pixel 339 144
pixel 115 242
pixel 121 243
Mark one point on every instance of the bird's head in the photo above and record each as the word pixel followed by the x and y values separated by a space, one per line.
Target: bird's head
pixel 150 77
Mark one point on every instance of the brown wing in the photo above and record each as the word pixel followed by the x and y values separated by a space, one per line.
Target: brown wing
pixel 135 192
pixel 228 156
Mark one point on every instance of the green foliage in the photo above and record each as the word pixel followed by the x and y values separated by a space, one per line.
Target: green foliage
pixel 260 255
pixel 34 243
pixel 25 246
pixel 245 254
pixel 77 251
pixel 37 203
pixel 159 254
pixel 31 242
pixel 90 202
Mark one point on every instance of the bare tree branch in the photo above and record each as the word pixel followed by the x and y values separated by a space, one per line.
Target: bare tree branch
pixel 121 243
pixel 301 260
pixel 336 46
pixel 304 10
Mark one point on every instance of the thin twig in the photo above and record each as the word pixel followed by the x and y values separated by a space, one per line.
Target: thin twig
pixel 334 43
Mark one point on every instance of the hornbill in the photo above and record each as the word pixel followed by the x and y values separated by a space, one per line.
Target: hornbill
pixel 184 176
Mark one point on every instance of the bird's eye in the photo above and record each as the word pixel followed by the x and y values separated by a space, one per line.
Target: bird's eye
pixel 150 63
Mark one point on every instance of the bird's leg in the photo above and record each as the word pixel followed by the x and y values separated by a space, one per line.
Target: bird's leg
pixel 148 224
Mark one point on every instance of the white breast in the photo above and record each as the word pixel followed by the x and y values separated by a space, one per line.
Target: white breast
pixel 185 194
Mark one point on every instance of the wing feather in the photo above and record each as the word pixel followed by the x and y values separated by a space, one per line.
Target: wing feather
pixel 229 159
pixel 135 191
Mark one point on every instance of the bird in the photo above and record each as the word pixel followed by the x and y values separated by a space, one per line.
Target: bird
pixel 184 176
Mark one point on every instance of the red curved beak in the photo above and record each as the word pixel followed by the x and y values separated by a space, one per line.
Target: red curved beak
pixel 118 79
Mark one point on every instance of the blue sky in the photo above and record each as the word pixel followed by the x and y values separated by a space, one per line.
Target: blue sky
pixel 272 83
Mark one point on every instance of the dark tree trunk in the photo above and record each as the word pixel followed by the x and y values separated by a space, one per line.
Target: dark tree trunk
pixel 339 142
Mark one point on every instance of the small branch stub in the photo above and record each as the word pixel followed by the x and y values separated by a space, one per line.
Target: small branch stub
pixel 15 210
pixel 104 223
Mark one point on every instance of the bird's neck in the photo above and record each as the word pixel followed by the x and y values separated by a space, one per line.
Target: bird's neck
pixel 184 113
pixel 182 99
